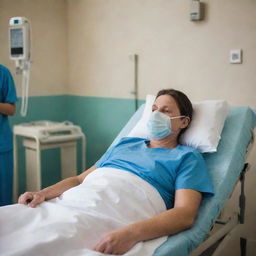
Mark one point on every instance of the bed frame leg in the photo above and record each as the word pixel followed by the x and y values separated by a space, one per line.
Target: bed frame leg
pixel 242 194
pixel 243 243
pixel 243 240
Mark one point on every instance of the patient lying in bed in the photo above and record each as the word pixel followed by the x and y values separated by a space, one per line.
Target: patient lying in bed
pixel 140 190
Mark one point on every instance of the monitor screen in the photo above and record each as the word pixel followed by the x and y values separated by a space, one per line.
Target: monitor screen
pixel 16 41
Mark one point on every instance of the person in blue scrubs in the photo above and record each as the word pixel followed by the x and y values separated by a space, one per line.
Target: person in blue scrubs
pixel 176 171
pixel 7 108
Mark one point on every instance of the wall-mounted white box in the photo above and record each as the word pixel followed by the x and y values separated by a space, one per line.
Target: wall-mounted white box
pixel 196 10
pixel 235 56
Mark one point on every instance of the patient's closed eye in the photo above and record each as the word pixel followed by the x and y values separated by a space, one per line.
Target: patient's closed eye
pixel 154 108
pixel 166 110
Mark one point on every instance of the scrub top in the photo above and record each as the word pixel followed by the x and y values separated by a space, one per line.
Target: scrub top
pixel 7 95
pixel 167 170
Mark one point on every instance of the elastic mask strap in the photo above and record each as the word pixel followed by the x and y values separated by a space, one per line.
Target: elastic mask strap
pixel 175 117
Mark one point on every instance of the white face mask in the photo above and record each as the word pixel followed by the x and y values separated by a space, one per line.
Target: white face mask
pixel 159 125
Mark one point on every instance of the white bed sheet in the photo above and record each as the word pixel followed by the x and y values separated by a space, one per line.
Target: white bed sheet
pixel 73 223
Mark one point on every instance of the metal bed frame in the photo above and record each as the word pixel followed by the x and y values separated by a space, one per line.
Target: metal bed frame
pixel 220 232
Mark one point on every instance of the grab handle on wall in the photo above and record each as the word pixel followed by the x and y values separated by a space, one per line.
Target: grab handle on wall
pixel 135 58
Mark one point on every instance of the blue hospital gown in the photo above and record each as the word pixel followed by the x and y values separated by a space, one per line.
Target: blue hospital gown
pixel 7 95
pixel 166 169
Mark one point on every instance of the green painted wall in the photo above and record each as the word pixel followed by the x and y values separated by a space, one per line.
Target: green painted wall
pixel 101 119
pixel 42 108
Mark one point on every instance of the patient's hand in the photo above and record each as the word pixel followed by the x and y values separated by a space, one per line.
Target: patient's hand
pixel 32 199
pixel 116 242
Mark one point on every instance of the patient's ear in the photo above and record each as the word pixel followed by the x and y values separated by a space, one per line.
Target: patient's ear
pixel 185 122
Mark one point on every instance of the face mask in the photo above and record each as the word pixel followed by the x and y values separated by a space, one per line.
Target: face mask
pixel 159 125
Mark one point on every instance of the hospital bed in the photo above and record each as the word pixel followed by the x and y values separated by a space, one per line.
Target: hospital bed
pixel 226 166
pixel 72 223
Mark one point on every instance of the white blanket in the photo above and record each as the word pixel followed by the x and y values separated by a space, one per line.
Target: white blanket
pixel 72 224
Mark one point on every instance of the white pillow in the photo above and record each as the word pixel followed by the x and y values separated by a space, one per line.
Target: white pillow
pixel 205 129
pixel 140 129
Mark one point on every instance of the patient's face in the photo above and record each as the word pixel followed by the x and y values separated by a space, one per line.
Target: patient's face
pixel 167 105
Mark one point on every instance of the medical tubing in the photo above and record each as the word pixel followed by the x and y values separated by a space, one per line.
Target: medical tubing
pixel 22 93
pixel 25 89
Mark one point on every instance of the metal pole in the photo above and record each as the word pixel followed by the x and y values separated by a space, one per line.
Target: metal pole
pixel 136 62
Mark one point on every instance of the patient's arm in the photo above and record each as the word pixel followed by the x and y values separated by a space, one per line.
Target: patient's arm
pixel 32 199
pixel 172 221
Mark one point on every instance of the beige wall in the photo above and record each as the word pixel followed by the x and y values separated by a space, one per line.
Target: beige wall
pixel 49 43
pixel 84 47
pixel 173 51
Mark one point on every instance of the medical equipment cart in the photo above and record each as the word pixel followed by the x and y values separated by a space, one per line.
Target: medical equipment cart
pixel 41 135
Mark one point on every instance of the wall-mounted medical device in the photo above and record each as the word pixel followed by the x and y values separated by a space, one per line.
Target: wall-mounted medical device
pixel 196 10
pixel 20 52
pixel 19 38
